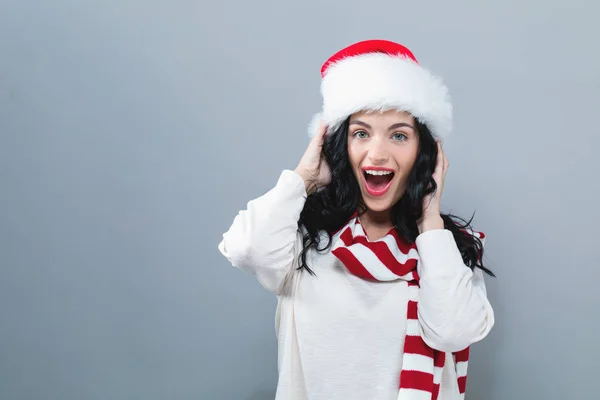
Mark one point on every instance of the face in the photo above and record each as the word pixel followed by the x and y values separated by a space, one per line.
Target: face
pixel 382 148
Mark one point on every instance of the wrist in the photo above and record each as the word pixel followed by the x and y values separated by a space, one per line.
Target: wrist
pixel 430 222
pixel 308 183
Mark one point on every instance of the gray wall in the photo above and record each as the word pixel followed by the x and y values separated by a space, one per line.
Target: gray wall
pixel 133 131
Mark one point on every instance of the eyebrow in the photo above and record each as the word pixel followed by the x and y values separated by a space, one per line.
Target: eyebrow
pixel 395 126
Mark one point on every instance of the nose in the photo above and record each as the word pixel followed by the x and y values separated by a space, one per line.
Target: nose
pixel 377 154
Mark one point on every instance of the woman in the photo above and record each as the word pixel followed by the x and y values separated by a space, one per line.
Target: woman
pixel 379 294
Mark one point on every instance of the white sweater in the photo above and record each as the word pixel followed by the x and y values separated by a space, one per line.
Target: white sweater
pixel 340 336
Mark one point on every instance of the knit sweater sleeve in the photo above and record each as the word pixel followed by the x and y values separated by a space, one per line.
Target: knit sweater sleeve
pixel 263 238
pixel 454 311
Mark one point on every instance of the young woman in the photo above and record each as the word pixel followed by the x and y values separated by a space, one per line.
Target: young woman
pixel 380 295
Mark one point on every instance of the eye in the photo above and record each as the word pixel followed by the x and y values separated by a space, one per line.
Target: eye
pixel 399 136
pixel 361 134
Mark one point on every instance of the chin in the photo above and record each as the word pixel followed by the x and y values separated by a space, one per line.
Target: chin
pixel 379 205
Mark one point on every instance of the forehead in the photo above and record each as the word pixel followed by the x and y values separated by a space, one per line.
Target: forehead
pixel 386 116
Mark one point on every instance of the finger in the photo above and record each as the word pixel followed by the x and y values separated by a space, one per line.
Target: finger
pixel 446 163
pixel 439 164
pixel 320 136
pixel 322 129
pixel 444 159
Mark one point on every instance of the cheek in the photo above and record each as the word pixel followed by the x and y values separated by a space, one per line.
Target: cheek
pixel 353 156
pixel 406 161
pixel 406 158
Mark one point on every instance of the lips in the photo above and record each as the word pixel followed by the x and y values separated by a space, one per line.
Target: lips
pixel 377 180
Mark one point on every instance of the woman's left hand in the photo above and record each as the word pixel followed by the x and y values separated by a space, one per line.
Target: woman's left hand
pixel 431 218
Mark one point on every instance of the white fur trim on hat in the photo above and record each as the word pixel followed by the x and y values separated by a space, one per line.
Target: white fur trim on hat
pixel 315 122
pixel 379 82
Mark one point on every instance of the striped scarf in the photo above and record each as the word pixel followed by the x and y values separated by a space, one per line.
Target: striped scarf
pixel 392 258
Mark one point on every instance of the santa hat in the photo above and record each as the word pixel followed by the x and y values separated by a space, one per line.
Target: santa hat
pixel 378 75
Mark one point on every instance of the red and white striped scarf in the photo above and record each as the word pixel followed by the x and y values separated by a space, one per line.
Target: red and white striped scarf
pixel 392 258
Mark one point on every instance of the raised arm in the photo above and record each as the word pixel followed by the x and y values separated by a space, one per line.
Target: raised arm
pixel 262 239
pixel 454 311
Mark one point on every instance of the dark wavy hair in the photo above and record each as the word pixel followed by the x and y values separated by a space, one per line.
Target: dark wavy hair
pixel 328 208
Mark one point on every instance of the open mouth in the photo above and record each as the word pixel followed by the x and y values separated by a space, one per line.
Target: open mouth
pixel 377 182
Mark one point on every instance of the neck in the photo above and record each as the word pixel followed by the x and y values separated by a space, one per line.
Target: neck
pixel 376 224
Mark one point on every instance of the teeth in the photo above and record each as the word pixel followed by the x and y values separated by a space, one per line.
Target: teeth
pixel 371 172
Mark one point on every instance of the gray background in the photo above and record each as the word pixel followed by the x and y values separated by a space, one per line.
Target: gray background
pixel 133 131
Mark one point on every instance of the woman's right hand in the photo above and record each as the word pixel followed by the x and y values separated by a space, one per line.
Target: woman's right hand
pixel 312 167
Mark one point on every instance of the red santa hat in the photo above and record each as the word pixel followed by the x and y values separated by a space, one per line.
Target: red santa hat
pixel 378 75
